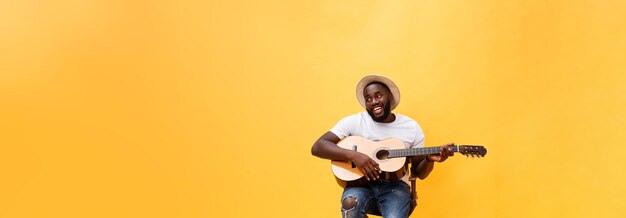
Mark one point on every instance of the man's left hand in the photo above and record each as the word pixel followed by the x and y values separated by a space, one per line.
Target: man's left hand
pixel 444 152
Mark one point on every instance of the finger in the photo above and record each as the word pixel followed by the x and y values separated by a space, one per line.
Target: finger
pixel 365 172
pixel 451 153
pixel 443 154
pixel 375 164
pixel 442 158
pixel 377 170
pixel 374 168
pixel 370 171
pixel 433 157
pixel 373 172
pixel 436 158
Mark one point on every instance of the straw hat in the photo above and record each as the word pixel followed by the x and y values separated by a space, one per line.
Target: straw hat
pixel 378 78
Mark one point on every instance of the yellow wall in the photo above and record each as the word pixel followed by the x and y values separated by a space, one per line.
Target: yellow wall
pixel 209 109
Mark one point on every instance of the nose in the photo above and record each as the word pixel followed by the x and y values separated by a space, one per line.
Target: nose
pixel 374 101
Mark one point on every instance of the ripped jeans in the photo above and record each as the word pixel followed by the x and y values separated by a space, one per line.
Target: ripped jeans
pixel 391 199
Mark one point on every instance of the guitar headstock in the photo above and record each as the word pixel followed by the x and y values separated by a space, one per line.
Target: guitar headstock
pixel 472 150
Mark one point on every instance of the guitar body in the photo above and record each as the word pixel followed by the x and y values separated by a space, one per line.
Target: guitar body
pixel 374 149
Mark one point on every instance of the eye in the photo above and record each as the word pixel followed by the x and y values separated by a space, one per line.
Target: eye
pixel 379 96
pixel 368 99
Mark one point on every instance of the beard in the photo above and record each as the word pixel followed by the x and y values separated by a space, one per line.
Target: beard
pixel 387 111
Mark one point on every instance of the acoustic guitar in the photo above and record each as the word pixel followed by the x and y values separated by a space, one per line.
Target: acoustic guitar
pixel 390 154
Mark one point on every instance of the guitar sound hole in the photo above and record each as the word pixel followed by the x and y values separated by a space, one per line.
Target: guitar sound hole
pixel 382 154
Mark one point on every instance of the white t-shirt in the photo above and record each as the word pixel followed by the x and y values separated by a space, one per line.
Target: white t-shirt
pixel 361 124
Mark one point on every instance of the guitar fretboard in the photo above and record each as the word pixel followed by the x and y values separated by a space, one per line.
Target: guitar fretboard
pixel 417 151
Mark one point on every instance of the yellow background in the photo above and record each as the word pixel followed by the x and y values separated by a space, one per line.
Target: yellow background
pixel 209 109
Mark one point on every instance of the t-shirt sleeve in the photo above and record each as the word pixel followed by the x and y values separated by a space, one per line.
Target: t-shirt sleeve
pixel 418 142
pixel 345 127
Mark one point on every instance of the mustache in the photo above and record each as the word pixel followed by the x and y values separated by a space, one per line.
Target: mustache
pixel 386 112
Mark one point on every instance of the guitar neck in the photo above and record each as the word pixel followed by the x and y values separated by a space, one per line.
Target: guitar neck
pixel 418 151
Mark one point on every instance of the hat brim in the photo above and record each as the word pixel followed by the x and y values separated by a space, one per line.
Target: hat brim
pixel 395 92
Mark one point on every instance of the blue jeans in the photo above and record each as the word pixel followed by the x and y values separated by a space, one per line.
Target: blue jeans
pixel 391 198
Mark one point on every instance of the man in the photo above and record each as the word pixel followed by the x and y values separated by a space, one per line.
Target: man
pixel 391 197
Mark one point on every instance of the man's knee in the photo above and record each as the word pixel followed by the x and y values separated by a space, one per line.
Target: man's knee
pixel 349 203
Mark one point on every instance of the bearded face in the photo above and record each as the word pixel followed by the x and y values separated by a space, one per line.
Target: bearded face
pixel 378 102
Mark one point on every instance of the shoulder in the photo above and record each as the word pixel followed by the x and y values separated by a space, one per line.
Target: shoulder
pixel 409 123
pixel 349 125
pixel 406 120
pixel 353 119
pixel 414 130
pixel 357 116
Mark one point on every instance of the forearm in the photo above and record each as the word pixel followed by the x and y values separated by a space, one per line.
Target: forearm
pixel 329 150
pixel 421 166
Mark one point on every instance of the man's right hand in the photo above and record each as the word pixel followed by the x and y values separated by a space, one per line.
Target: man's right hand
pixel 367 165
